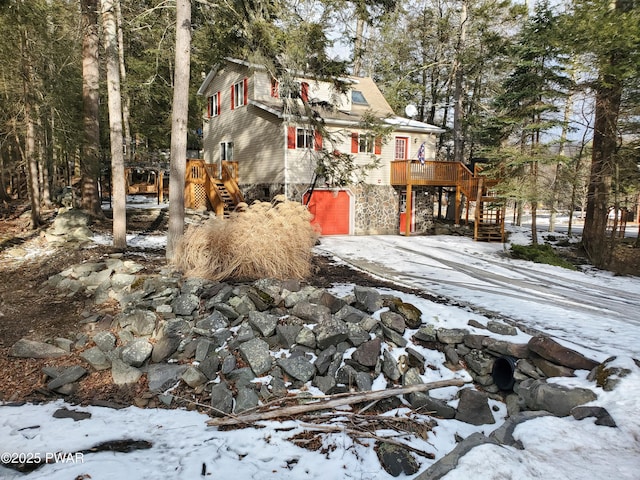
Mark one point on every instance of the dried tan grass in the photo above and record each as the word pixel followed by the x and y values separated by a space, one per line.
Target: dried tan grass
pixel 263 241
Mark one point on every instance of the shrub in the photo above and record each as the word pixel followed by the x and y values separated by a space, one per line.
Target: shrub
pixel 263 241
pixel 541 253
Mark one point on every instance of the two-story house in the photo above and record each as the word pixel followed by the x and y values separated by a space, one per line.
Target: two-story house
pixel 265 128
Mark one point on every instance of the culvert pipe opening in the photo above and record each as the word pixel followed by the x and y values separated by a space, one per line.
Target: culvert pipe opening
pixel 503 371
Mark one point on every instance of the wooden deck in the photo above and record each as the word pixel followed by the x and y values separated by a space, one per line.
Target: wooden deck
pixel 489 217
pixel 206 187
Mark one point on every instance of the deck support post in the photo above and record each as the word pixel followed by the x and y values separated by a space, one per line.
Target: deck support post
pixel 458 206
pixel 408 206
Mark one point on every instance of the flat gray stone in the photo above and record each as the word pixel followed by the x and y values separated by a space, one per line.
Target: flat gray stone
pixel 369 298
pixel 451 335
pixel 394 321
pixel 326 384
pixel 324 359
pixel 501 328
pixel 211 323
pixel 396 459
pixel 556 399
pixel 256 353
pixel 95 357
pixel 368 353
pixel 330 332
pixel 164 348
pixel 221 400
pixel 185 304
pixel 263 322
pixel 24 348
pixel 390 366
pixel 307 338
pixel 136 352
pixel 124 374
pixel 297 367
pixel 161 377
pixel 193 377
pixel 473 408
pixel 68 375
pixel 246 399
pixel 287 334
pixel 106 341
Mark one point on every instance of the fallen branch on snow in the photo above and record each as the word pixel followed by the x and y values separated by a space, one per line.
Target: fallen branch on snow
pixel 331 402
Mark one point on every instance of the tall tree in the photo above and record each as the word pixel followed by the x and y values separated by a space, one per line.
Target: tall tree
pixel 528 106
pixel 179 121
pixel 118 186
pixel 605 33
pixel 90 153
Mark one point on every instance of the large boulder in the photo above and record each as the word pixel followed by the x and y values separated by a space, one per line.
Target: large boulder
pixel 553 398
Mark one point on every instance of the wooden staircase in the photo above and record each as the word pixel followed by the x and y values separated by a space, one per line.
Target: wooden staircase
pixel 489 214
pixel 205 187
pixel 489 209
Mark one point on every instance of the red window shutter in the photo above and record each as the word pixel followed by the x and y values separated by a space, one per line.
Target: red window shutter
pixel 304 92
pixel 233 97
pixel 275 88
pixel 291 137
pixel 354 142
pixel 317 140
pixel 246 91
pixel 219 103
pixel 378 145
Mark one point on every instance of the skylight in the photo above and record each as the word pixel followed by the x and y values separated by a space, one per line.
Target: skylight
pixel 358 98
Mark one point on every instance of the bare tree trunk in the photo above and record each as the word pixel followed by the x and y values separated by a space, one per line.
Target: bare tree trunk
pixel 358 47
pixel 118 192
pixel 180 114
pixel 568 108
pixel 30 134
pixel 458 134
pixel 126 100
pixel 90 156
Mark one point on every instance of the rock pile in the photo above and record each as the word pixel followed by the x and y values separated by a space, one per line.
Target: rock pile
pixel 237 345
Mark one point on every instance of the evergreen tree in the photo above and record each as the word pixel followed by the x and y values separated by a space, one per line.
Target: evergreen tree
pixel 605 35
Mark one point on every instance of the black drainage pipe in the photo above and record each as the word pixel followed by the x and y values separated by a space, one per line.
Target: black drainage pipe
pixel 502 373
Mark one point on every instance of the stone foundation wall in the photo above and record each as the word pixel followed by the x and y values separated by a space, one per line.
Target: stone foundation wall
pixel 376 210
pixel 377 207
pixel 424 210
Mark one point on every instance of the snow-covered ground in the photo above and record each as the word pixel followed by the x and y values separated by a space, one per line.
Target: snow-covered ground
pixel 592 311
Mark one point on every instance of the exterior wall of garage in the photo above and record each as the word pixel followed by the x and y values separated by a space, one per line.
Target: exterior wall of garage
pixel 375 208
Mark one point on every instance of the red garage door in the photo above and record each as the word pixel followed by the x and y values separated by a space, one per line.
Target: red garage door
pixel 331 212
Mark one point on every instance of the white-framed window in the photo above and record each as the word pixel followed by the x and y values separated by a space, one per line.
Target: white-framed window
pixel 304 138
pixel 213 105
pixel 226 151
pixel 400 152
pixel 366 143
pixel 239 94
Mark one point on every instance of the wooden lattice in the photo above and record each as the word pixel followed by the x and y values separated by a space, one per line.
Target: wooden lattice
pixel 199 196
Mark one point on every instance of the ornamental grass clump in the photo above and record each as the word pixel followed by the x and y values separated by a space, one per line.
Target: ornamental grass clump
pixel 263 241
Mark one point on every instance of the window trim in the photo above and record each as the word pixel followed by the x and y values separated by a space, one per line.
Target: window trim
pixel 406 148
pixel 356 144
pixel 313 138
pixel 240 93
pixel 214 105
pixel 226 151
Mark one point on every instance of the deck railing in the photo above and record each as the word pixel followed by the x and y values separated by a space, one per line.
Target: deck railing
pixel 200 173
pixel 437 174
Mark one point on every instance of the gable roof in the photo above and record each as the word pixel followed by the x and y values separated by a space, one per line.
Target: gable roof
pixel 376 104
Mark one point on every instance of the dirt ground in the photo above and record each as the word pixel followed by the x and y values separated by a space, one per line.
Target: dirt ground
pixel 29 309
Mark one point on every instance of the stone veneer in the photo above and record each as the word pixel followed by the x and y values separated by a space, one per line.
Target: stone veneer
pixel 377 207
